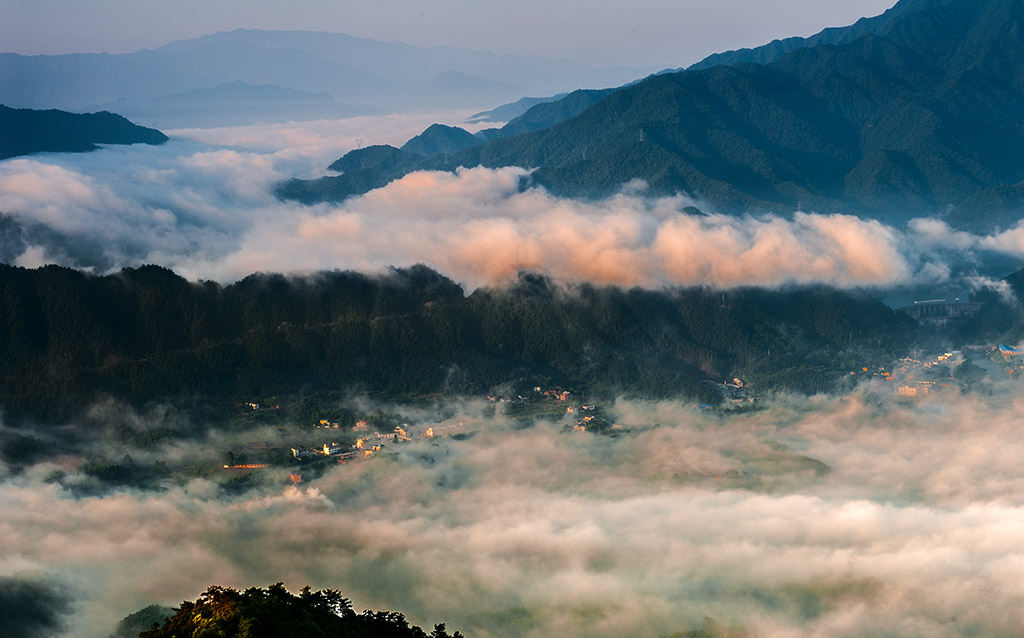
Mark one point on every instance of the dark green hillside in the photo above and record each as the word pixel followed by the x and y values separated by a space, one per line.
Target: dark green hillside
pixel 380 156
pixel 512 110
pixel 26 131
pixel 920 114
pixel 275 612
pixel 436 148
pixel 146 335
pixel 439 138
pixel 361 170
pixel 547 114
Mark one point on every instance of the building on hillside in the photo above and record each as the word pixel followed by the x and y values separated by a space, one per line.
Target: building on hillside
pixel 331 449
pixel 1009 352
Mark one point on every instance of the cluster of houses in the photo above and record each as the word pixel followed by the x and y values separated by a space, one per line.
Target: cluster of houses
pixel 920 377
pixel 914 378
pixel 364 446
pixel 1011 358
pixel 1011 353
pixel 256 406
pixel 734 392
pixel 594 423
pixel 558 394
pixel 369 443
pixel 917 378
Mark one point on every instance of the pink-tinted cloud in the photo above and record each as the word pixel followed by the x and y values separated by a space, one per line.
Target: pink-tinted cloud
pixel 208 212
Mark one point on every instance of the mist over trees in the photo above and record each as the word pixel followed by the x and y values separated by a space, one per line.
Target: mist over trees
pixel 146 334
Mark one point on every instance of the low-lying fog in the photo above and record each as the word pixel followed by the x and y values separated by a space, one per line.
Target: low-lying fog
pixel 829 516
pixel 202 205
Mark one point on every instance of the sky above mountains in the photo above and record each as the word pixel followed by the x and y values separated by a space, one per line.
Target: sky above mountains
pixel 665 33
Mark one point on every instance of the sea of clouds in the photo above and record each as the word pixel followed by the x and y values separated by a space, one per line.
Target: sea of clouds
pixel 912 529
pixel 202 205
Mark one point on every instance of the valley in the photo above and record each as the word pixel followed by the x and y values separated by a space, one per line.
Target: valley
pixel 512 321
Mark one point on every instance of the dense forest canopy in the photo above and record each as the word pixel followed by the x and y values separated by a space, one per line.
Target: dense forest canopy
pixel 146 334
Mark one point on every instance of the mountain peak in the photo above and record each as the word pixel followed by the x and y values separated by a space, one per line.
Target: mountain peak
pixel 438 138
pixel 912 113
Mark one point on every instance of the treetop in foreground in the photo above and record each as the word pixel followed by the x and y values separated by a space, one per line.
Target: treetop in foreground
pixel 275 612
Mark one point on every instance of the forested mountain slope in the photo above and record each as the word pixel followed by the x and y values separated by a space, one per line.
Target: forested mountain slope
pixel 922 118
pixel 146 335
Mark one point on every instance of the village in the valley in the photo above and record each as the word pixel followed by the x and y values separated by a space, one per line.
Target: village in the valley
pixel 913 377
pixel 344 443
pixel 579 417
pixel 919 376
pixel 368 443
pixel 970 367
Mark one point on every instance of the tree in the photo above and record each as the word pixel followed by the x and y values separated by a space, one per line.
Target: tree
pixel 440 631
pixel 274 612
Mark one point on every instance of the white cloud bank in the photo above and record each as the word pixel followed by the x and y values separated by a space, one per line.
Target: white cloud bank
pixel 914 532
pixel 208 212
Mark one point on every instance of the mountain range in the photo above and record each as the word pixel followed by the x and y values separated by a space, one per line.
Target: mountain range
pixel 506 112
pixel 913 113
pixel 231 104
pixel 366 75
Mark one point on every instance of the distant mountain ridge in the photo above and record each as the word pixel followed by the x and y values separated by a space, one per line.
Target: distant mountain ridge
pixel 506 112
pixel 27 131
pixel 547 113
pixel 914 113
pixel 436 148
pixel 385 75
pixel 233 103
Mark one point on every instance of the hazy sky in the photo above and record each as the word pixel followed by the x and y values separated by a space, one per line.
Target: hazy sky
pixel 601 32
